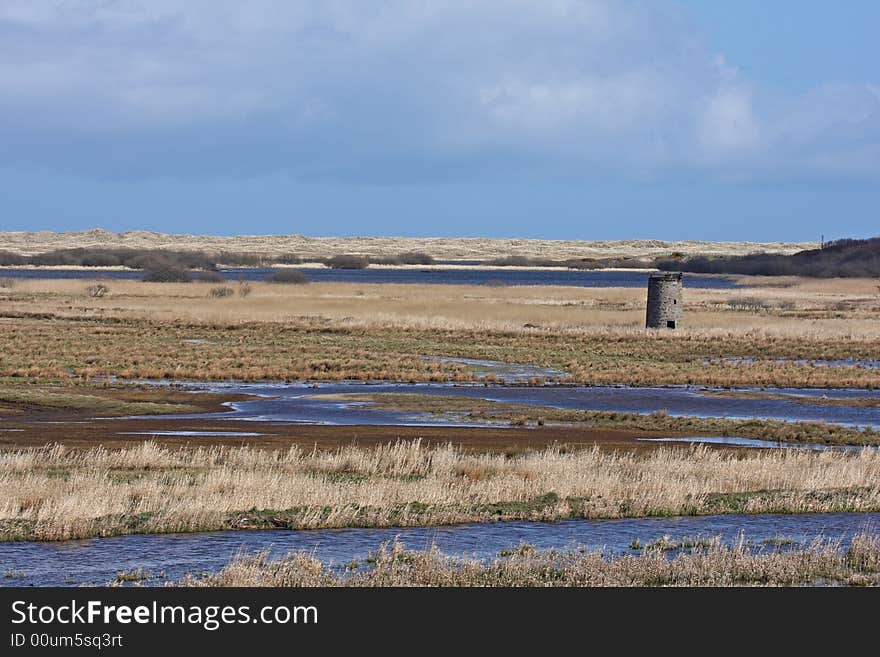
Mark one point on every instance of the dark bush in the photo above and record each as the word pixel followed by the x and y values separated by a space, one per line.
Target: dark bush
pixel 292 276
pixel 9 259
pixel 408 258
pixel 386 260
pixel 180 259
pixel 583 263
pixel 7 283
pixel 844 258
pixel 525 261
pixel 132 258
pixel 100 259
pixel 289 259
pixel 510 261
pixel 570 263
pixel 57 258
pixel 415 258
pixel 347 262
pixel 165 272
pixel 140 260
pixel 235 259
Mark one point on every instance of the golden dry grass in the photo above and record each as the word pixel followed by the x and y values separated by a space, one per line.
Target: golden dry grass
pixel 798 307
pixel 333 331
pixel 821 563
pixel 55 493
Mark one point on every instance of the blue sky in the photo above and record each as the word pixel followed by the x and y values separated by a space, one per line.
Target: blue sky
pixel 568 119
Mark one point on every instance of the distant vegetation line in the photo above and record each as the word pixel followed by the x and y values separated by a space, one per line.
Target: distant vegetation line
pixel 572 263
pixel 844 258
pixel 163 265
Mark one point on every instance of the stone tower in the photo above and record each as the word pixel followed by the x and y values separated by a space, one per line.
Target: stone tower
pixel 664 301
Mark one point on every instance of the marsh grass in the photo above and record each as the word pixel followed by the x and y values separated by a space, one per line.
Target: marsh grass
pixel 315 348
pixel 710 563
pixel 135 575
pixel 56 493
pixel 660 421
pixel 332 331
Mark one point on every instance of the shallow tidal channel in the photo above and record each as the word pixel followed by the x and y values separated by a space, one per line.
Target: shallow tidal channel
pixel 169 557
pixel 304 403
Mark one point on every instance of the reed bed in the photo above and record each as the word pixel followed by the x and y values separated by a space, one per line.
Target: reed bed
pixel 821 563
pixel 335 331
pixel 55 493
pixel 315 349
pixel 846 307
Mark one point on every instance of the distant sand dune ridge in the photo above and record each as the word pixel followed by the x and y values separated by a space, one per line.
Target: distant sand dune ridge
pixel 442 248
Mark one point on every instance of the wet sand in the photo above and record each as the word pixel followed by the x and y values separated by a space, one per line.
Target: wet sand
pixel 117 433
pixel 33 426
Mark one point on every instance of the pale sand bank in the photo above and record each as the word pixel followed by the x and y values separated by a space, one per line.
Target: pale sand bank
pixel 441 248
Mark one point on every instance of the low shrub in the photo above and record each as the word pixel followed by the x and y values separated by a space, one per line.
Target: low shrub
pixel 511 261
pixel 166 272
pixel 748 303
pixel 526 261
pixel 843 258
pixel 9 259
pixel 237 259
pixel 101 259
pixel 291 276
pixel 7 283
pixel 221 292
pixel 582 263
pixel 415 258
pixel 347 262
pixel 97 291
pixel 407 258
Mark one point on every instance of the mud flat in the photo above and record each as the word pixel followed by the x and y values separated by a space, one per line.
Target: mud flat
pixel 355 402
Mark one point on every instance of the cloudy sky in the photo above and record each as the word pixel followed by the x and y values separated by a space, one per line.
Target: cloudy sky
pixel 595 119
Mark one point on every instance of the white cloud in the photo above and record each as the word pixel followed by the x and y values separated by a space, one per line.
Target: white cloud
pixel 728 125
pixel 404 89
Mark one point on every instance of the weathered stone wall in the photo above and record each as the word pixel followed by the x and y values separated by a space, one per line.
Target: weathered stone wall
pixel 664 301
